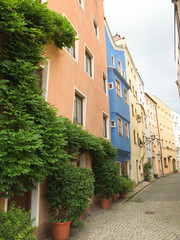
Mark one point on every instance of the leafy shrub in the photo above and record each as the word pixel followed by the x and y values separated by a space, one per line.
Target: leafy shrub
pixel 68 191
pixel 105 178
pixel 147 167
pixel 15 224
pixel 125 184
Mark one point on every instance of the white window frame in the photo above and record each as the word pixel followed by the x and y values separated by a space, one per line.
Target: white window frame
pixel 45 78
pixel 111 84
pixel 81 4
pixel 97 28
pixel 83 96
pixel 86 49
pixel 76 43
pixel 107 124
pixel 104 77
pixel 113 123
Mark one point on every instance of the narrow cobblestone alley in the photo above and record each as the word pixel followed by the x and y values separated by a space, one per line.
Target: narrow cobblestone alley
pixel 153 214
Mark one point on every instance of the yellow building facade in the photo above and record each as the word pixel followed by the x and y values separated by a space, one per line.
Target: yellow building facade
pixel 165 125
pixel 136 126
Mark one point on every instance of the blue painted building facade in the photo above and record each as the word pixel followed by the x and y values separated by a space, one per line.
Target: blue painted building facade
pixel 118 100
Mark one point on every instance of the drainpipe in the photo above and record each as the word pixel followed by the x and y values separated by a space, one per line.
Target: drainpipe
pixel 159 139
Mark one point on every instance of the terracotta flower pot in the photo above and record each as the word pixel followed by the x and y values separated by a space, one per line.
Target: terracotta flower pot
pixel 122 195
pixel 60 231
pixel 115 197
pixel 105 203
pixel 78 219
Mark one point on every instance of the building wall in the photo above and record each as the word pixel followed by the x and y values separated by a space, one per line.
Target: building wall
pixel 119 108
pixel 141 122
pixel 177 39
pixel 136 171
pixel 154 145
pixel 165 124
pixel 67 74
pixel 176 127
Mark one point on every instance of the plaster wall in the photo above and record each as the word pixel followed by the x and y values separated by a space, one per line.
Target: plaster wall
pixel 67 74
pixel 167 138
pixel 153 130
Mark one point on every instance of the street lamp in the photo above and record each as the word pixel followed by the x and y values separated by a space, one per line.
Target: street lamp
pixel 151 139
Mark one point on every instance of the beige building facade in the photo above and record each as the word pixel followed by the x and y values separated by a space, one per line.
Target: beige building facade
pixel 153 143
pixel 165 125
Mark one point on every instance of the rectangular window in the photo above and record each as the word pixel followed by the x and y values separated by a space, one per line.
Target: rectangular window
pixel 135 113
pixel 120 131
pixel 134 134
pixel 126 130
pixel 96 28
pixel 72 50
pixel 125 96
pixel 105 124
pixel 118 88
pixel 119 67
pixel 132 109
pixel 130 83
pixel 88 63
pixel 136 95
pixel 78 109
pixel 112 59
pixel 81 2
pixel 104 84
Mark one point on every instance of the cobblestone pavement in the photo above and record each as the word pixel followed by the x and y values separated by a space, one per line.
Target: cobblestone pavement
pixel 153 214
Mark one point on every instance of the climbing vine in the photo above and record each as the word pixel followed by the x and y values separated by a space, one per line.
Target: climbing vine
pixel 33 139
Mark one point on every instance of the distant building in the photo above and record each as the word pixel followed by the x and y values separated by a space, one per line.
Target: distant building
pixel 177 39
pixel 137 152
pixel 176 126
pixel 119 101
pixel 153 141
pixel 165 124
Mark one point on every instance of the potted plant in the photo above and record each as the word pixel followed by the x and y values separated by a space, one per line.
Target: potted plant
pixel 155 175
pixel 147 174
pixel 116 188
pixel 138 118
pixel 68 191
pixel 105 173
pixel 125 185
pixel 140 143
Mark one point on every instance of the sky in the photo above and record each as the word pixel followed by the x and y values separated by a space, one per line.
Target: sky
pixel 148 28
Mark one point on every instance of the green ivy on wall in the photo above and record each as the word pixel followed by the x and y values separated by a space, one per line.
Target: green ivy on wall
pixel 33 139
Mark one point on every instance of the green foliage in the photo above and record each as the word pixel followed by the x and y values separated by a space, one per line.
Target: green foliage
pixel 68 191
pixel 125 184
pixel 105 178
pixel 147 167
pixel 33 140
pixel 16 225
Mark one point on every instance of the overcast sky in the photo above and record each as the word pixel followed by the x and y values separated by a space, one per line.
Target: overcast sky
pixel 148 28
